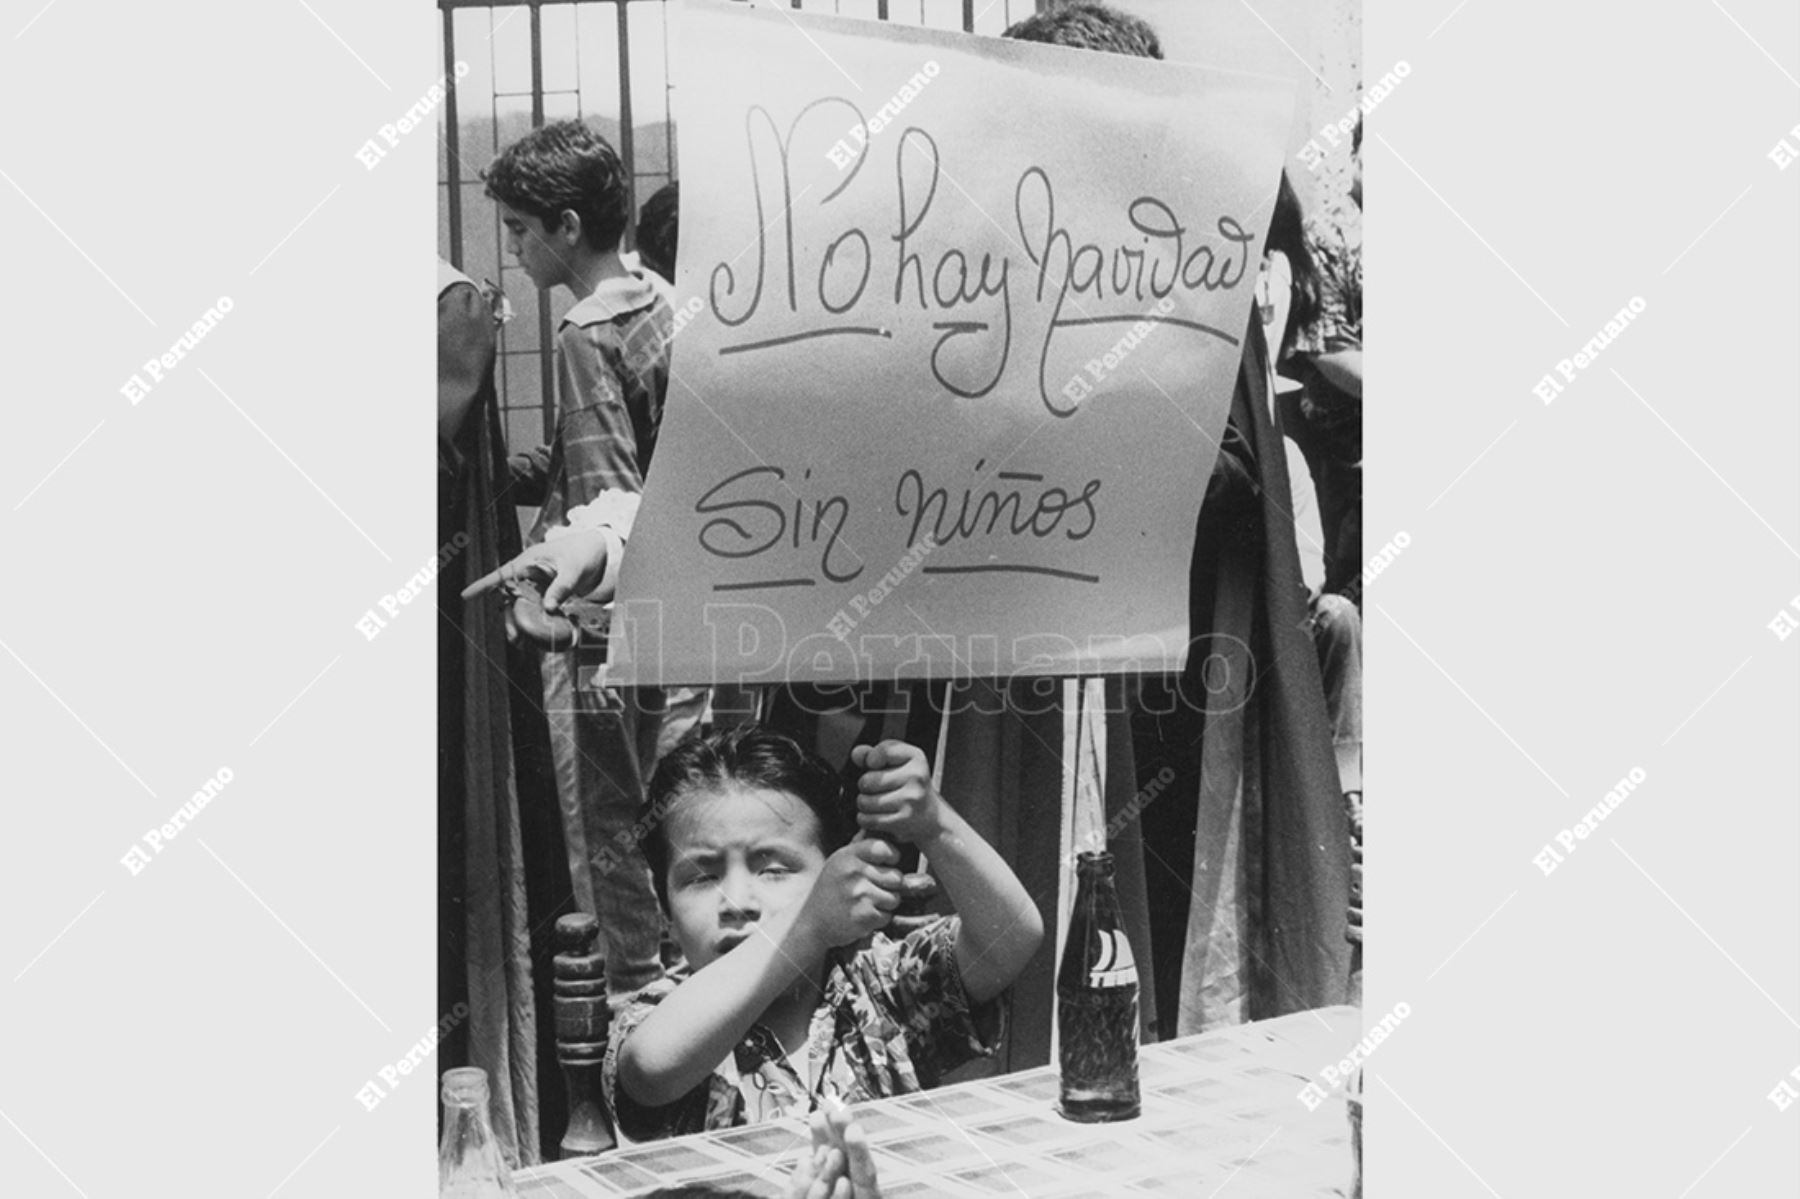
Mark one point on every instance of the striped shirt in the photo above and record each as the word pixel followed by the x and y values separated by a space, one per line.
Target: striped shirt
pixel 612 372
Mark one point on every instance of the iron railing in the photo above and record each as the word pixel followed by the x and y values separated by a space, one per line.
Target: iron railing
pixel 606 61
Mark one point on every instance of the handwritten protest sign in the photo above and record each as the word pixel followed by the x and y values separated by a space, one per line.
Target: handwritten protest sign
pixel 968 315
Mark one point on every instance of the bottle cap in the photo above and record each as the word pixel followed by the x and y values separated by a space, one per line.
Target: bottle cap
pixel 466 1085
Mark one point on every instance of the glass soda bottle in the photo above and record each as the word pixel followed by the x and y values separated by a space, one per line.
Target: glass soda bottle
pixel 470 1165
pixel 1097 1002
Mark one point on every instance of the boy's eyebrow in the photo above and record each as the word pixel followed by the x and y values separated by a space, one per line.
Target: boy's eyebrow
pixel 779 848
pixel 701 857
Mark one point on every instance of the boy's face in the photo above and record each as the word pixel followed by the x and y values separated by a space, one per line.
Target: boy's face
pixel 737 856
pixel 537 247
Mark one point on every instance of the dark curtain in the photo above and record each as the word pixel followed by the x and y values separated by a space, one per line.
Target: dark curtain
pixel 501 877
pixel 1250 881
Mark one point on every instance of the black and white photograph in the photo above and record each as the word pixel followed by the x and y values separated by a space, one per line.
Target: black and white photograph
pixel 888 680
pixel 903 472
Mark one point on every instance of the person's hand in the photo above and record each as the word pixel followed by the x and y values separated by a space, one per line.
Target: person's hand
pixel 895 797
pixel 855 893
pixel 840 1165
pixel 914 888
pixel 574 565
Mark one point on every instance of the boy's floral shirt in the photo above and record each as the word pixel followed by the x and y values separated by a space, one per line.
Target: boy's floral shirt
pixel 894 1019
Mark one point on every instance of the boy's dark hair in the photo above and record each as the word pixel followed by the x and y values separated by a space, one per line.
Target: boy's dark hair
pixel 657 229
pixel 1090 26
pixel 565 167
pixel 752 756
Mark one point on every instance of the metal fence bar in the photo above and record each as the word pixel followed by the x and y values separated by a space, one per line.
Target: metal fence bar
pixel 668 112
pixel 546 360
pixel 627 143
pixel 493 212
pixel 452 145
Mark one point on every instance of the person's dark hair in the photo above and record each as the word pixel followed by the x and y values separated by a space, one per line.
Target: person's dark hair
pixel 657 227
pixel 1089 26
pixel 751 756
pixel 564 167
pixel 1287 233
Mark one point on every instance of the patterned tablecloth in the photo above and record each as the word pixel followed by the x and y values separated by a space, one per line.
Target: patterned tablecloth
pixel 1221 1107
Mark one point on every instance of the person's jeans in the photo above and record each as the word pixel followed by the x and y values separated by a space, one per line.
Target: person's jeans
pixel 605 742
pixel 1336 627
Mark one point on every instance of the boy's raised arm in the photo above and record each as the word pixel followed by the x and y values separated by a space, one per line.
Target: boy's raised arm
pixel 680 1043
pixel 1001 927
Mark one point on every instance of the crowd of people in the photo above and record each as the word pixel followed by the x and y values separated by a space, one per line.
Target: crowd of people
pixel 770 945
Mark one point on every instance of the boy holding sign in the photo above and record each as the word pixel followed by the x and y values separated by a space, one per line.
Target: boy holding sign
pixel 778 901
